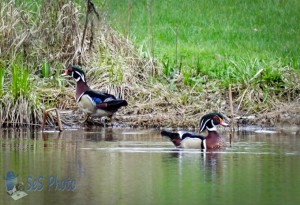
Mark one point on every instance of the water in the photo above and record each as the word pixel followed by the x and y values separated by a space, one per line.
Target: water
pixel 124 166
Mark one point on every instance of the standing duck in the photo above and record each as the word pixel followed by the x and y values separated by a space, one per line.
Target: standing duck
pixel 91 102
pixel 189 140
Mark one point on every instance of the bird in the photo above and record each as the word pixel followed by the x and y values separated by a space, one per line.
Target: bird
pixel 91 102
pixel 190 140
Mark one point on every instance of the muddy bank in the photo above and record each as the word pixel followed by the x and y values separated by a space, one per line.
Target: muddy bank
pixel 287 115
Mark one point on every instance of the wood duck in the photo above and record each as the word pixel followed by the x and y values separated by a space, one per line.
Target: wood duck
pixel 189 140
pixel 93 103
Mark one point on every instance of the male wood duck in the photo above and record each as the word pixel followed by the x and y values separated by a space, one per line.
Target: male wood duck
pixel 189 140
pixel 91 102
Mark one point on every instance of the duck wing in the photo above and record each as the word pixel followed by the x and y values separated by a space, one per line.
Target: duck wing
pixel 192 135
pixel 171 135
pixel 105 100
pixel 99 97
pixel 181 135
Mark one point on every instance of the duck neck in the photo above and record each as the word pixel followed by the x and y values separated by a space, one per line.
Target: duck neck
pixel 212 134
pixel 81 87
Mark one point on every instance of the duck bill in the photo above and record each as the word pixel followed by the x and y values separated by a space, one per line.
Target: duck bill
pixel 224 124
pixel 65 73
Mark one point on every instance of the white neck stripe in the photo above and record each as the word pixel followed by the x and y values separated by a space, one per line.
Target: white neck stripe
pixel 202 126
pixel 79 97
pixel 212 122
pixel 212 129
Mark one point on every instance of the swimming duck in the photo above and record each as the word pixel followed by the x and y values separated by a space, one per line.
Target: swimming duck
pixel 190 140
pixel 91 102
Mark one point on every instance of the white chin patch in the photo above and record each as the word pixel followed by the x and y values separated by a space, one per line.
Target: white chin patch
pixel 80 77
pixel 211 129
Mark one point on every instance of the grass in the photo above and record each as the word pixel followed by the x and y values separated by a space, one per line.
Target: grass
pixel 208 35
pixel 2 73
pixel 19 81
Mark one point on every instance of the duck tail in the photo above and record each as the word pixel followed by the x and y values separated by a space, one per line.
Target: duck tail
pixel 117 103
pixel 173 136
pixel 170 135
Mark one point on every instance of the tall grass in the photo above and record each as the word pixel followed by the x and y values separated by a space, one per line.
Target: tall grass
pixel 27 41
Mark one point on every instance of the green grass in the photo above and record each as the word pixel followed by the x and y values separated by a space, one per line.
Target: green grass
pixel 20 81
pixel 2 73
pixel 212 34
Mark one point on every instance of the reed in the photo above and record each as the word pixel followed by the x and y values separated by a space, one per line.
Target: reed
pixel 2 73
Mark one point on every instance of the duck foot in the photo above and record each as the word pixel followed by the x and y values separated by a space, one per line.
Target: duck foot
pixel 106 121
pixel 84 119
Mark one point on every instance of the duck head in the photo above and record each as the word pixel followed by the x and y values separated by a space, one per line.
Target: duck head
pixel 75 72
pixel 211 120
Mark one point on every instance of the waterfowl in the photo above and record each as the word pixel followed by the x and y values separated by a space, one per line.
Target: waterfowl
pixel 190 140
pixel 91 102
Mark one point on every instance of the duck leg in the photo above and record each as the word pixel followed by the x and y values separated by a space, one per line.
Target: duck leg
pixel 106 121
pixel 103 121
pixel 110 120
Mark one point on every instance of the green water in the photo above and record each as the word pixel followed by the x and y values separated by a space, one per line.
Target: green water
pixel 124 166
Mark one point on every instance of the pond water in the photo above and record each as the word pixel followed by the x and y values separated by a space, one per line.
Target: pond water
pixel 130 166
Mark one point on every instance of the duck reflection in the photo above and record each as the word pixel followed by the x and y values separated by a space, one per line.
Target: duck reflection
pixel 105 134
pixel 210 165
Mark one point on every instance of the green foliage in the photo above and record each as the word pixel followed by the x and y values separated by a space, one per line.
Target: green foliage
pixel 45 70
pixel 19 81
pixel 2 73
pixel 115 74
pixel 168 69
pixel 272 77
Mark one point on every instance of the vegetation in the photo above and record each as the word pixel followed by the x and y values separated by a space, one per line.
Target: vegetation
pixel 180 65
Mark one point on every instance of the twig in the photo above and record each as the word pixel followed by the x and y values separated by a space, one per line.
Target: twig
pixel 242 98
pixel 90 8
pixel 231 106
pixel 45 116
pixel 257 74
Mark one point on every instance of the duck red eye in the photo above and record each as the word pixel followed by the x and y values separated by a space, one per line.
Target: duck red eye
pixel 216 118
